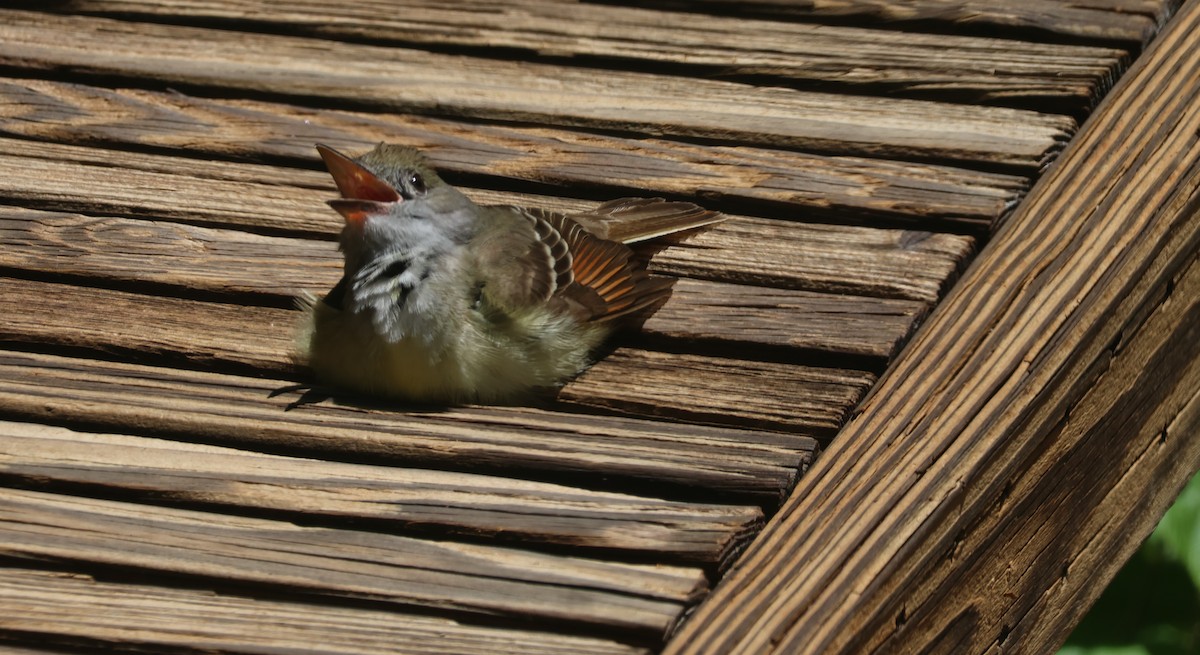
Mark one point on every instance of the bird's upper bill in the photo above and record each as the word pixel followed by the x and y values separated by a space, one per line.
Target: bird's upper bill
pixel 354 181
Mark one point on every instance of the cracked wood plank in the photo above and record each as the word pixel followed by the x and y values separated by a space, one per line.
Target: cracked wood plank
pixel 1128 24
pixel 810 401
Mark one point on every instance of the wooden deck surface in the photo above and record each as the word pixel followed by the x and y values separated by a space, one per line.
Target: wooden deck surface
pixel 172 483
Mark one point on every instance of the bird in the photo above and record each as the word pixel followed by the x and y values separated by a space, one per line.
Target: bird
pixel 445 301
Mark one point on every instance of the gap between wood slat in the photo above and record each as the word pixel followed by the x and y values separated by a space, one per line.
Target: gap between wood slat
pixel 791 325
pixel 815 402
pixel 261 340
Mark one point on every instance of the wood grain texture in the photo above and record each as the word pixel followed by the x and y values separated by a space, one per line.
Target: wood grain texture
pixel 149 328
pixel 814 324
pixel 794 184
pixel 398 571
pixel 144 280
pixel 816 407
pixel 837 260
pixel 117 252
pixel 410 80
pixel 907 264
pixel 412 501
pixel 1068 525
pixel 47 609
pixel 1124 23
pixel 1103 544
pixel 966 69
pixel 280 269
pixel 271 415
pixel 1052 378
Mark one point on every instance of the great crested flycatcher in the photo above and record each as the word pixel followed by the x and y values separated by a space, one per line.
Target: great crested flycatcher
pixel 447 301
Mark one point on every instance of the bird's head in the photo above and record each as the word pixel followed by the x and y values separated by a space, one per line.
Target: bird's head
pixel 393 200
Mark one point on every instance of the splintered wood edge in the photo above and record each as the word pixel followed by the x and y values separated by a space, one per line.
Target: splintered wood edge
pixel 977 418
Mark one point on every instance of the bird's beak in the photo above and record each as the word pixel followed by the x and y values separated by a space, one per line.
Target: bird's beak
pixel 356 211
pixel 353 181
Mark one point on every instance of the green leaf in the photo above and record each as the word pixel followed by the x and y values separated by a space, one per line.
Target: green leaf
pixel 1179 530
pixel 1152 606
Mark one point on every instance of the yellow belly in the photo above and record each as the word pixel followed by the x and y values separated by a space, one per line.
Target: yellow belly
pixel 471 362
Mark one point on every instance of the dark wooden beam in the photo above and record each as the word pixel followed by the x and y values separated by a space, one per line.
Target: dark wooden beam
pixel 1030 436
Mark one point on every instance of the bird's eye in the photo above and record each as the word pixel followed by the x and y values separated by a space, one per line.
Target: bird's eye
pixel 416 182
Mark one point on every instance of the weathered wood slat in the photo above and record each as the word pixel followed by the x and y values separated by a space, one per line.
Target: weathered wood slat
pixel 1031 420
pixel 1102 546
pixel 908 264
pixel 437 502
pixel 852 260
pixel 257 413
pixel 283 557
pixel 45 312
pixel 1124 23
pixel 209 335
pixel 410 80
pixel 770 396
pixel 828 259
pixel 797 183
pixel 817 324
pixel 43 608
pixel 147 327
pixel 117 251
pixel 932 66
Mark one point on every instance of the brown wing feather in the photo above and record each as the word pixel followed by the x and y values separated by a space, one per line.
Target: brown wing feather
pixel 524 258
pixel 535 256
pixel 609 281
pixel 630 220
